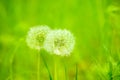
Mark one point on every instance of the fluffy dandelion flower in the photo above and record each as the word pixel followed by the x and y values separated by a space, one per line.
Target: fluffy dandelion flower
pixel 36 36
pixel 59 42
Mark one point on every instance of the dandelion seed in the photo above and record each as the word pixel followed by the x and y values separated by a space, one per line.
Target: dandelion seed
pixel 36 36
pixel 59 42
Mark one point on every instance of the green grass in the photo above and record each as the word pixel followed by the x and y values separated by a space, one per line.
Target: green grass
pixel 96 55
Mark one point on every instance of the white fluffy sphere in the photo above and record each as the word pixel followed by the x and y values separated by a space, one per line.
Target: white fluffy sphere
pixel 36 36
pixel 59 42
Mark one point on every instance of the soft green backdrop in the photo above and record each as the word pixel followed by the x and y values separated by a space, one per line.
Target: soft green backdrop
pixel 94 23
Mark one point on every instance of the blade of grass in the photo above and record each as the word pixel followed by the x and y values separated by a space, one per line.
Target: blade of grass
pixel 12 59
pixel 50 76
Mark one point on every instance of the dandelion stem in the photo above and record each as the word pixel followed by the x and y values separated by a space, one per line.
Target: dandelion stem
pixel 65 72
pixel 50 76
pixel 38 67
pixel 76 72
pixel 55 72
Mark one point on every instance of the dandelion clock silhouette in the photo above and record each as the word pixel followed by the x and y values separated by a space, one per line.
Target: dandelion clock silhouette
pixel 58 42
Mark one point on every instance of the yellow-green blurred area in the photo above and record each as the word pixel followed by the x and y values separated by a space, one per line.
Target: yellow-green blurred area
pixel 94 23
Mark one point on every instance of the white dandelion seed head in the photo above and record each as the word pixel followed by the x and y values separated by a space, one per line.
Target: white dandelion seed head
pixel 59 42
pixel 36 36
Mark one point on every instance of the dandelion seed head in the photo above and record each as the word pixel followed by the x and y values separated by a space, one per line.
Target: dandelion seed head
pixel 36 36
pixel 59 42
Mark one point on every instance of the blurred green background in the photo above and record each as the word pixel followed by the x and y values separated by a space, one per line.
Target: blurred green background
pixel 94 23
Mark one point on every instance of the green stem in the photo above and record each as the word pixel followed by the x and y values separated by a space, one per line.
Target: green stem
pixel 76 73
pixel 55 71
pixel 50 76
pixel 38 67
pixel 65 72
pixel 11 73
